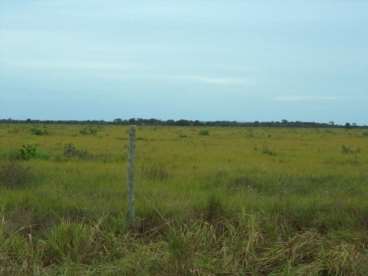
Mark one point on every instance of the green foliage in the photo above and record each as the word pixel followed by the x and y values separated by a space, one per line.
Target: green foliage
pixel 28 152
pixel 31 151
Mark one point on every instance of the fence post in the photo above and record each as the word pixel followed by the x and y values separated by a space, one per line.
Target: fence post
pixel 131 158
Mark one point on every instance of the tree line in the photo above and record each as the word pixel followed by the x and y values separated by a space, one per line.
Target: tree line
pixel 183 122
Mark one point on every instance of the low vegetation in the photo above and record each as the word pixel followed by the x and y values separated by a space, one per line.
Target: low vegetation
pixel 240 201
pixel 13 174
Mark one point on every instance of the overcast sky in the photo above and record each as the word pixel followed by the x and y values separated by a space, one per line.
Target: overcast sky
pixel 240 60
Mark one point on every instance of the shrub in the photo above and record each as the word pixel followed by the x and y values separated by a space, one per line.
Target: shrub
pixel 349 150
pixel 13 175
pixel 71 151
pixel 39 132
pixel 266 150
pixel 88 131
pixel 204 132
pixel 28 152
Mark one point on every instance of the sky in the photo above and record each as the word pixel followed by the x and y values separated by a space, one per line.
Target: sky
pixel 243 60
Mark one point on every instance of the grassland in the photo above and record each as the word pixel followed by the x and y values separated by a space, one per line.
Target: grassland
pixel 216 201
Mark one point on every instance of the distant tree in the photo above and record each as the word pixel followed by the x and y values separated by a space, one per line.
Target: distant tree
pixel 118 121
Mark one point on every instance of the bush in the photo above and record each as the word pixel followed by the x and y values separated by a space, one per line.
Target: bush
pixel 28 152
pixel 13 175
pixel 39 132
pixel 349 150
pixel 88 131
pixel 71 151
pixel 204 132
pixel 266 150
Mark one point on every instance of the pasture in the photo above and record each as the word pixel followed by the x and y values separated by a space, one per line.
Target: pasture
pixel 209 201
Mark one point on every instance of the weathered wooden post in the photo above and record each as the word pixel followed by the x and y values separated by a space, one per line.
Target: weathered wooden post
pixel 131 158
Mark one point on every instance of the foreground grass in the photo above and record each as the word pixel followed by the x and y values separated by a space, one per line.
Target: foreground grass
pixel 234 201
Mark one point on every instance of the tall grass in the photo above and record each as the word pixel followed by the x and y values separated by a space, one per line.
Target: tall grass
pixel 205 206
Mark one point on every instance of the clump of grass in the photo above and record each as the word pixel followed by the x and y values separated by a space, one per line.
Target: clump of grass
pixel 300 249
pixel 180 250
pixel 14 175
pixel 88 131
pixel 268 151
pixel 155 172
pixel 71 151
pixel 242 182
pixel 70 242
pixel 349 150
pixel 214 209
pixel 39 131
pixel 346 259
pixel 204 132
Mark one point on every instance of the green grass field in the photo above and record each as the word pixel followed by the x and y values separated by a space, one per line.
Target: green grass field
pixel 215 201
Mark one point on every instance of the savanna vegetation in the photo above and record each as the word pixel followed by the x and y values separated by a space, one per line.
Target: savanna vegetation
pixel 209 201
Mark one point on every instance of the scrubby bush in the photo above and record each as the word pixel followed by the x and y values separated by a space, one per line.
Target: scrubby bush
pixel 13 175
pixel 349 150
pixel 71 151
pixel 204 132
pixel 88 131
pixel 266 150
pixel 39 131
pixel 28 152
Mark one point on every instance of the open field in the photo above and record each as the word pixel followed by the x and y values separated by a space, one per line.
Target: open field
pixel 236 201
